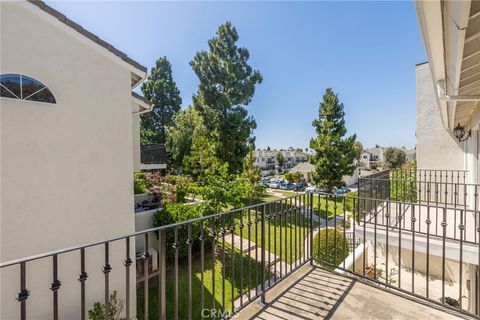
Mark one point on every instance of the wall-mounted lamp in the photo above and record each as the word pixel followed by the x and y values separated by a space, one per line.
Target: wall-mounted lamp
pixel 459 133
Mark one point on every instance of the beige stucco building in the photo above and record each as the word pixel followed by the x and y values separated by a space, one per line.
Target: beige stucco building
pixel 66 161
pixel 448 87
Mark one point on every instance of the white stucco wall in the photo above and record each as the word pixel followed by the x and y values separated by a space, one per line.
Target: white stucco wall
pixel 66 169
pixel 136 141
pixel 436 148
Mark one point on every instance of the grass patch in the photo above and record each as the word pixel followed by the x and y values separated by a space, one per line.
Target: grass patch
pixel 326 208
pixel 210 295
pixel 279 235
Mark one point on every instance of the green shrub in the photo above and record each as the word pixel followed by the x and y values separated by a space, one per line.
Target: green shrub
pixel 349 200
pixel 326 250
pixel 174 213
pixel 114 309
pixel 139 183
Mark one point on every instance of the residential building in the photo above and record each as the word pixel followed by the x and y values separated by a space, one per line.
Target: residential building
pixel 374 157
pixel 306 169
pixel 267 160
pixel 69 147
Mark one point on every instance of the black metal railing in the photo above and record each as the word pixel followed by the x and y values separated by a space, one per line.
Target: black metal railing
pixel 425 250
pixel 214 266
pixel 439 187
pixel 152 154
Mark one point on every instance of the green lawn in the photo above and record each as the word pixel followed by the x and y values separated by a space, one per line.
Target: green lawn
pixel 286 193
pixel 278 235
pixel 331 206
pixel 236 282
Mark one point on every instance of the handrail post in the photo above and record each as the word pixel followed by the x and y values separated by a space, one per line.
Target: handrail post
pixel 311 227
pixel 263 254
pixel 162 275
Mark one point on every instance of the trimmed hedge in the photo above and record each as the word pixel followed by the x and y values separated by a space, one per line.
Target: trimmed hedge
pixel 326 250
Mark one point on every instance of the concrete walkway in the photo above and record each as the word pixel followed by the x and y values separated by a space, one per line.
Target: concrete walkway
pixel 314 293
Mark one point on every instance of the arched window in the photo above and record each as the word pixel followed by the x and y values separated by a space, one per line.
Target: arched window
pixel 17 86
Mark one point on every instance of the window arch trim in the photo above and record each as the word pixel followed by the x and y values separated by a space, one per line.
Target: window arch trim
pixel 21 87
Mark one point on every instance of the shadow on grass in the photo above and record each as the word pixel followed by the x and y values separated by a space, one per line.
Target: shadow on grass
pixel 285 230
pixel 233 285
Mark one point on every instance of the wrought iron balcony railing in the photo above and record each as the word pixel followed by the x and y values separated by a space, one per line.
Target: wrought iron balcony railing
pixel 152 154
pixel 225 261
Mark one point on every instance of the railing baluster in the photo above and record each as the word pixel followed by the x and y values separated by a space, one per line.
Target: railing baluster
pixel 461 227
pixel 413 219
pixel 310 234
pixel 106 270
pixel 280 214
pixel 400 246
pixel 355 206
pixel 127 263
pixel 249 269
pixel 262 284
pixel 232 231
pixel 286 209
pixel 444 226
pixel 176 246
pixel 82 278
pixel 275 238
pixel 290 211
pixel 214 249
pixel 364 237
pixel 319 223
pixel 344 251
pixel 335 228
pixel 256 251
pixel 224 264
pixel 375 243
pixel 162 274
pixel 146 259
pixel 269 218
pixel 387 215
pixel 428 222
pixel 24 293
pixel 189 248
pixel 240 227
pixel 295 241
pixel 202 265
pixel 55 286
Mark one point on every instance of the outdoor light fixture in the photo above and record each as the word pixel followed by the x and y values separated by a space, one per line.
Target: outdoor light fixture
pixel 459 133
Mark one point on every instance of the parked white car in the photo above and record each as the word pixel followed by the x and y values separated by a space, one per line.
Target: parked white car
pixel 274 185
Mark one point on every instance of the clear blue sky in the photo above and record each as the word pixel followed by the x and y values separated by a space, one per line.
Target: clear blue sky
pixel 365 51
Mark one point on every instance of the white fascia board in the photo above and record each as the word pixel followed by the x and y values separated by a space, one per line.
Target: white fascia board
pixel 455 22
pixel 429 15
pixel 78 36
pixel 140 107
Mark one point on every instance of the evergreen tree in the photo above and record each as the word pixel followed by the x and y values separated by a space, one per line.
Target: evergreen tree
pixel 162 91
pixel 227 85
pixel 335 154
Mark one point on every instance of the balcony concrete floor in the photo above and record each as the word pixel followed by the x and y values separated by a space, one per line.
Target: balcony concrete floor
pixel 313 293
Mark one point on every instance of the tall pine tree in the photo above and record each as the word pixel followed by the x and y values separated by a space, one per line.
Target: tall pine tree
pixel 162 91
pixel 227 85
pixel 334 153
